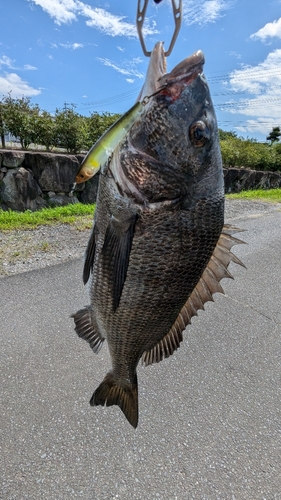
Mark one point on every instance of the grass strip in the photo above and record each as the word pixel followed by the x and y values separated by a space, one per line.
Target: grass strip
pixel 267 195
pixel 81 216
pixel 74 214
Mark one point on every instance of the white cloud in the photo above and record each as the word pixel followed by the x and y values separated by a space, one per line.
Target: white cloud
pixel 262 125
pixel 263 82
pixel 9 63
pixel 128 67
pixel 108 23
pixel 235 54
pixel 12 82
pixel 29 67
pixel 204 12
pixel 67 11
pixel 62 11
pixel 113 25
pixel 77 46
pixel 130 80
pixel 269 30
pixel 257 79
pixel 120 48
pixel 6 61
pixel 72 46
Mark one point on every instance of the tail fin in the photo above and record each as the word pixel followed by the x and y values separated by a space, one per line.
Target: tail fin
pixel 112 392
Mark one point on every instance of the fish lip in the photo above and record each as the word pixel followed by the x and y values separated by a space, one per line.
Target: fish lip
pixel 156 76
pixel 156 69
pixel 186 70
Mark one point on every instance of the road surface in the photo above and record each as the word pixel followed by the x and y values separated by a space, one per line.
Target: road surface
pixel 210 415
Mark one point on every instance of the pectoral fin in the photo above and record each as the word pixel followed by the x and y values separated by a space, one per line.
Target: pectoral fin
pixel 89 256
pixel 208 284
pixel 116 252
pixel 85 329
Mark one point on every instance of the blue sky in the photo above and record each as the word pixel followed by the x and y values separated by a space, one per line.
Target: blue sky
pixel 88 54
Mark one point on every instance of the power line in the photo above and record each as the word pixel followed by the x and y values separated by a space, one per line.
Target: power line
pixel 211 79
pixel 246 124
pixel 246 76
pixel 248 104
pixel 133 92
pixel 116 98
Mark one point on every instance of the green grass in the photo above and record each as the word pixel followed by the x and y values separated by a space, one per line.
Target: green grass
pixel 79 215
pixel 268 195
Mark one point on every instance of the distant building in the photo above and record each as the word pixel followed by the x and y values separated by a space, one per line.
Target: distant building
pixel 10 138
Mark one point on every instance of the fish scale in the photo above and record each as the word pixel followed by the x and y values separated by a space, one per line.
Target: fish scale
pixel 159 247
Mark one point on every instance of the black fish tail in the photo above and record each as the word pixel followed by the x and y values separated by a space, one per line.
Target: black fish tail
pixel 115 391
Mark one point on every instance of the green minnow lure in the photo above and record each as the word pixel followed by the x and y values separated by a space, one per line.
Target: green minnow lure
pixel 105 145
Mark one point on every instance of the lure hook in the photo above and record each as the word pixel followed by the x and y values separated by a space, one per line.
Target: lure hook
pixel 141 11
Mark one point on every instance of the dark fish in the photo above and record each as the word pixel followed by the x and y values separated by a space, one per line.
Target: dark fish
pixel 159 247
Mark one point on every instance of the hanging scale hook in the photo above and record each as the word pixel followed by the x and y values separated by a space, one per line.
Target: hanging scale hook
pixel 141 11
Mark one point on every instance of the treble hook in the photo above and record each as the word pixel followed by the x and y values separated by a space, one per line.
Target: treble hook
pixel 177 13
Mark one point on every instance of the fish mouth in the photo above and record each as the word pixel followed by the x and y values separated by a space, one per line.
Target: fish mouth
pixel 173 83
pixel 187 70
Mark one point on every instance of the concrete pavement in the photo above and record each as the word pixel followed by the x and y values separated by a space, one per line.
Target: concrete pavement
pixel 210 415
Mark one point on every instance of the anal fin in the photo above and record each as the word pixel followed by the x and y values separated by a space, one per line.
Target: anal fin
pixel 85 329
pixel 164 348
pixel 208 284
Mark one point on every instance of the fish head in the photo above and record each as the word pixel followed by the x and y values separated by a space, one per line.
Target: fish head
pixel 175 139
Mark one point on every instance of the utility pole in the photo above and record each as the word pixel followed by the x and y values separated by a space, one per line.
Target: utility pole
pixel 2 133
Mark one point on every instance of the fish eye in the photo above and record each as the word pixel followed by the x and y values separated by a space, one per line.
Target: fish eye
pixel 199 134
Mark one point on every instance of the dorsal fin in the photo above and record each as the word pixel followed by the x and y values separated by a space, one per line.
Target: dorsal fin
pixel 208 284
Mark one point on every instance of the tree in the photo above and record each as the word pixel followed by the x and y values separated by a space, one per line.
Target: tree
pixel 98 124
pixel 44 129
pixel 223 134
pixel 18 116
pixel 230 151
pixel 274 135
pixel 2 125
pixel 248 153
pixel 70 129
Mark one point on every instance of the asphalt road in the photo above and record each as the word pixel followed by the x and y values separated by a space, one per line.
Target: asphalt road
pixel 210 415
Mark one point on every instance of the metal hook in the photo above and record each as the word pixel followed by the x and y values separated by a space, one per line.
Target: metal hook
pixel 177 12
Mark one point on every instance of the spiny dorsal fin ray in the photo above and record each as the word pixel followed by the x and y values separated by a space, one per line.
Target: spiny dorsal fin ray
pixel 208 284
pixel 229 241
pixel 84 329
pixel 229 229
pixel 222 253
pixel 213 283
pixel 219 268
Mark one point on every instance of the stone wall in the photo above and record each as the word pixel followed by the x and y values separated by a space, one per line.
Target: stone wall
pixel 31 180
pixel 238 179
